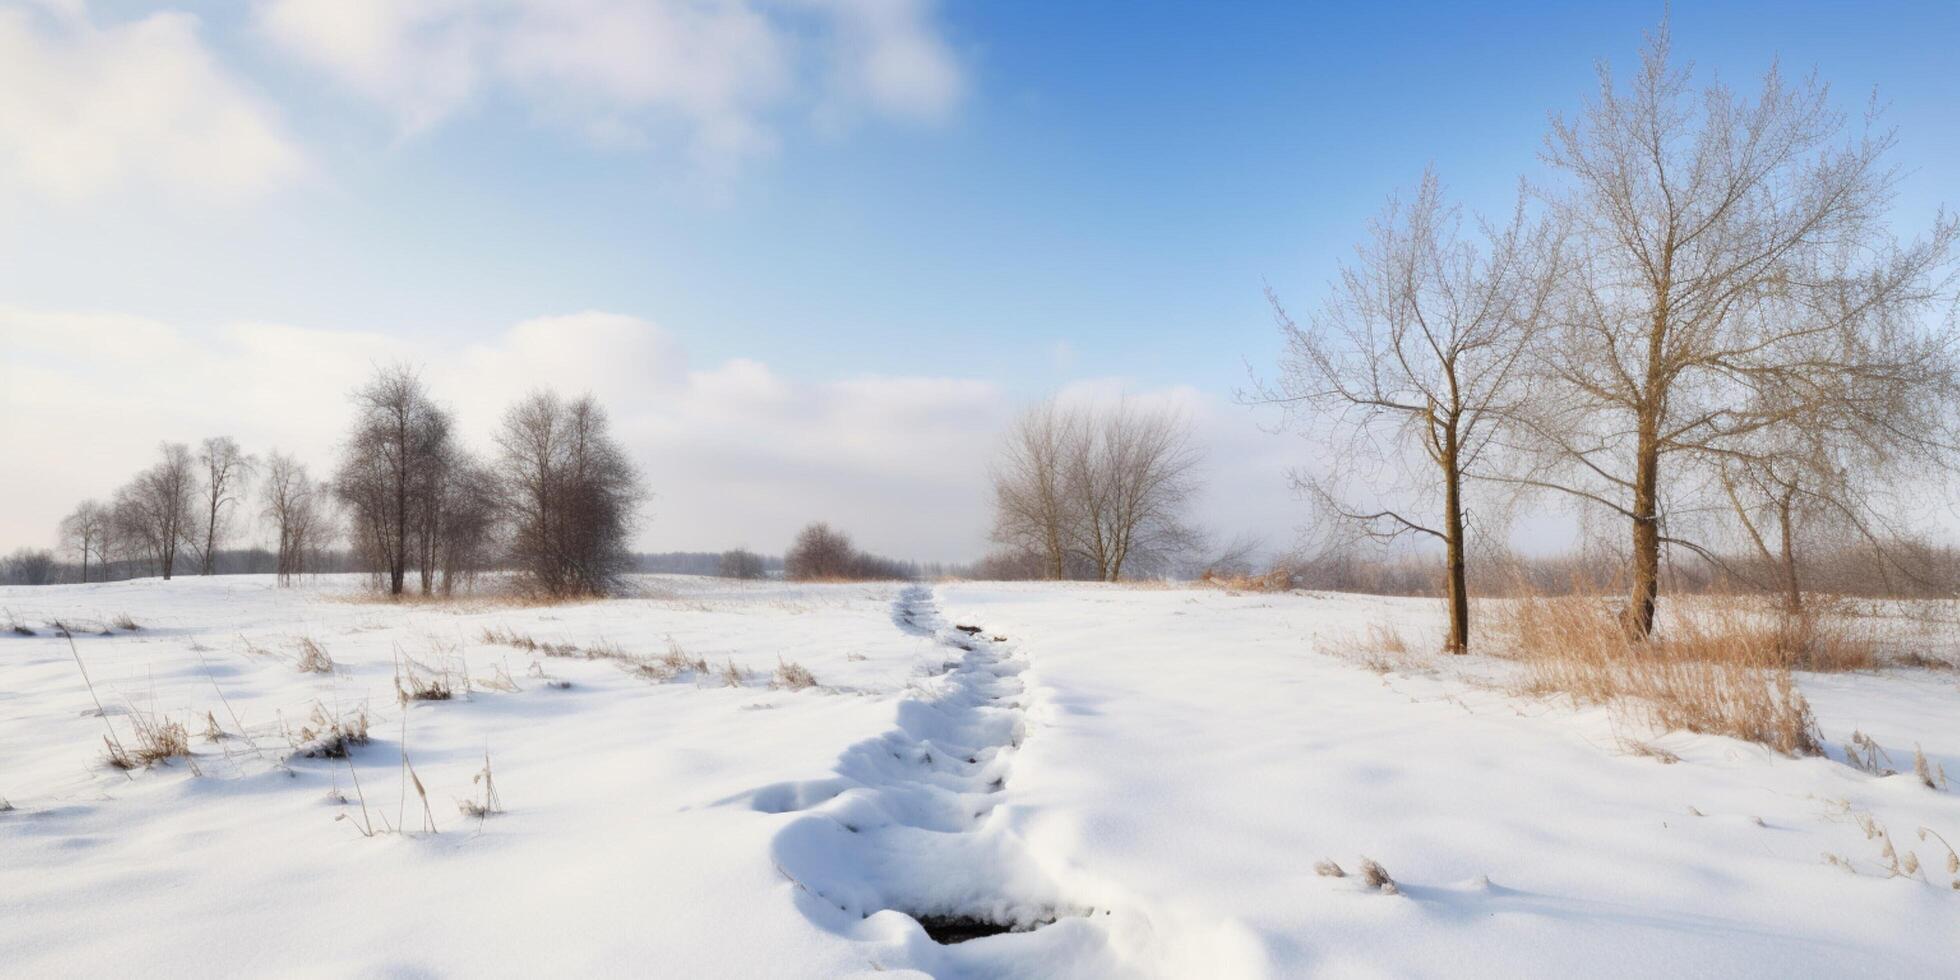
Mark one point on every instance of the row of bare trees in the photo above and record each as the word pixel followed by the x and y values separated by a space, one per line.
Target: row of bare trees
pixel 1704 328
pixel 182 505
pixel 1094 491
pixel 557 503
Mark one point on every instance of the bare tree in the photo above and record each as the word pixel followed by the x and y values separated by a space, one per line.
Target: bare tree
pixel 1695 216
pixel 740 563
pixel 28 566
pixel 85 532
pixel 294 505
pixel 820 553
pixel 1033 509
pixel 1411 367
pixel 223 470
pixel 154 512
pixel 470 518
pixel 400 437
pixel 572 494
pixel 1130 477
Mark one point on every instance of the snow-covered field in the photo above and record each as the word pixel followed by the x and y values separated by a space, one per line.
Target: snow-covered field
pixel 1148 775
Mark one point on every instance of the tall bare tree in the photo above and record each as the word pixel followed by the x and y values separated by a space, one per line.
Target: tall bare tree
pixel 1131 476
pixel 1410 368
pixel 85 531
pixel 1690 212
pixel 155 511
pixel 222 470
pixel 400 438
pixel 1033 509
pixel 571 492
pixel 294 505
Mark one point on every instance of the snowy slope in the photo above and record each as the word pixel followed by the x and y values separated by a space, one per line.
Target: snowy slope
pixel 1146 775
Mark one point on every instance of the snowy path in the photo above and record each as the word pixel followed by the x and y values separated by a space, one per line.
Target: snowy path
pixel 912 846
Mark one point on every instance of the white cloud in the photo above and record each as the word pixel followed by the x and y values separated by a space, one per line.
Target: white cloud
pixel 87 109
pixel 625 71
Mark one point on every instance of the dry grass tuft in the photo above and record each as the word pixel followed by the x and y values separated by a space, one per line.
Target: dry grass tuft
pixel 15 626
pixel 1924 769
pixel 1716 669
pixel 126 623
pixel 793 676
pixel 1376 877
pixel 491 804
pixel 313 657
pixel 1863 752
pixel 733 676
pixel 157 740
pixel 1328 869
pixel 415 682
pixel 505 636
pixel 677 660
pixel 330 736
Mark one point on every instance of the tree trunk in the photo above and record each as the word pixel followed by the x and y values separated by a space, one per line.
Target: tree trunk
pixel 1458 586
pixel 1793 590
pixel 1646 530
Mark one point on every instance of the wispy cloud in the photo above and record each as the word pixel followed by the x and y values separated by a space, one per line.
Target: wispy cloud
pixel 88 109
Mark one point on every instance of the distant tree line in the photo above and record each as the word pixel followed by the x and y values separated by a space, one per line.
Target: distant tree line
pixel 557 503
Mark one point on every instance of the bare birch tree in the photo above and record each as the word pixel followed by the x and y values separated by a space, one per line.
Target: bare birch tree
pixel 1411 368
pixel 85 532
pixel 1689 211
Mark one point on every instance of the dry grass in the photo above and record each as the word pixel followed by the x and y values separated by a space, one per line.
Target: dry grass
pixel 1718 667
pixel 491 804
pixel 313 657
pixel 1328 869
pixel 329 735
pixel 15 626
pixel 415 682
pixel 792 676
pixel 156 740
pixel 1377 877
pixel 1277 580
pixel 1379 648
pixel 733 676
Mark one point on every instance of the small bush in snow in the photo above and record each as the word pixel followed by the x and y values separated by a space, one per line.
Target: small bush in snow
pixel 313 657
pixel 330 736
pixel 793 676
pixel 1328 869
pixel 1377 877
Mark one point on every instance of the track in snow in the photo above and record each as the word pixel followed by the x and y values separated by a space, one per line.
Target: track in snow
pixel 908 845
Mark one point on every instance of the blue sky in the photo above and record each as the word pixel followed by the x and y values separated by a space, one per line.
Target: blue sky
pixel 1096 191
